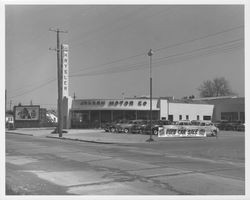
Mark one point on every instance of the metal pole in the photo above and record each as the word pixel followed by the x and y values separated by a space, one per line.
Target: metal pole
pixel 150 53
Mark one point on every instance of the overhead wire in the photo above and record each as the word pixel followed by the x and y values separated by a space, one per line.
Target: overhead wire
pixel 34 89
pixel 162 48
pixel 30 85
pixel 142 65
pixel 129 68
pixel 199 38
pixel 134 56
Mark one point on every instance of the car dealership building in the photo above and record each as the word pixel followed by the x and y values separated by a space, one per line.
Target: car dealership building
pixel 91 113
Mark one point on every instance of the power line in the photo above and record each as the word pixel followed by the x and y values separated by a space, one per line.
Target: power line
pixel 162 48
pixel 111 62
pixel 199 38
pixel 134 56
pixel 30 85
pixel 34 89
pixel 130 68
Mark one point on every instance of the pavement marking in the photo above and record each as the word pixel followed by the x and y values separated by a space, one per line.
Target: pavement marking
pixel 20 160
pixel 122 164
pixel 155 172
pixel 204 159
pixel 204 184
pixel 82 157
pixel 120 188
pixel 72 178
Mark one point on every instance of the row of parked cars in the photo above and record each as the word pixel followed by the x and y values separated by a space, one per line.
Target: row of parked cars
pixel 135 126
pixel 230 125
pixel 143 126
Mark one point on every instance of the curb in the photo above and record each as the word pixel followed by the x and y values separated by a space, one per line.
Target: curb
pixel 80 140
pixel 18 133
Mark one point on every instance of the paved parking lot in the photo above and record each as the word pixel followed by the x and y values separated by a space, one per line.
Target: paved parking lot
pixel 204 166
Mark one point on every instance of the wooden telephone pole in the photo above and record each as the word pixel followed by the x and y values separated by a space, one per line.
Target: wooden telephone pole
pixel 59 77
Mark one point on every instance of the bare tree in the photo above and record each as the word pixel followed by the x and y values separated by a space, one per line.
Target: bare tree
pixel 216 87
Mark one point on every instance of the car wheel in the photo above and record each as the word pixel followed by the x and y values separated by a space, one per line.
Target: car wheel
pixel 125 130
pixel 214 133
pixel 112 130
pixel 155 132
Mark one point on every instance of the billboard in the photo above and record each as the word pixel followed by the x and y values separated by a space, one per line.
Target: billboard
pixel 26 113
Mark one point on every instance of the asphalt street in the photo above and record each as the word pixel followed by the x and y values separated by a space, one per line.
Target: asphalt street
pixel 176 166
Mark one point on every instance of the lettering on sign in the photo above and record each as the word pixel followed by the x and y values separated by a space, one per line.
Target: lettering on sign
pixel 65 70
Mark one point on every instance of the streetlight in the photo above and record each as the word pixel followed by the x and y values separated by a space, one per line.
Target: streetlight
pixel 150 53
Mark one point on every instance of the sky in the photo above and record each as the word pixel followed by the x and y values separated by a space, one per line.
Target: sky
pixel 108 46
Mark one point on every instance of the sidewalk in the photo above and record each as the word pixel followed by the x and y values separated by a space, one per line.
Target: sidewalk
pixel 86 135
pixel 100 136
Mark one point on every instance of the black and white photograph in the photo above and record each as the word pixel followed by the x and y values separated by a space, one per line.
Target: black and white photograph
pixel 124 100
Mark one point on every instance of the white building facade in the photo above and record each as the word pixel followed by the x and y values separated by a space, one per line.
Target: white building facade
pixel 92 113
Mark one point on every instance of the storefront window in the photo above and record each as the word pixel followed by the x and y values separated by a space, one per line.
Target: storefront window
pixel 206 117
pixel 242 117
pixel 229 116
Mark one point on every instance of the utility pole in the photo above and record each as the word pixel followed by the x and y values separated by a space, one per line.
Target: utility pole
pixel 150 53
pixel 5 100
pixel 59 78
pixel 10 104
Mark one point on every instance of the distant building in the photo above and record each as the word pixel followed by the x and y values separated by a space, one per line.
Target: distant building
pixel 9 118
pixel 51 116
pixel 230 108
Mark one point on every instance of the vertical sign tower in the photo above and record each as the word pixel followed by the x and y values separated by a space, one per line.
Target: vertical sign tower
pixel 65 70
pixel 66 99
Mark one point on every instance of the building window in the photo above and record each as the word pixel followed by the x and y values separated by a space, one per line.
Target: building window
pixel 206 117
pixel 229 116
pixel 242 117
pixel 187 117
pixel 198 117
pixel 180 117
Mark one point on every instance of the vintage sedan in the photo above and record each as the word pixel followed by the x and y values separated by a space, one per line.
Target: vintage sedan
pixel 127 127
pixel 209 128
pixel 144 127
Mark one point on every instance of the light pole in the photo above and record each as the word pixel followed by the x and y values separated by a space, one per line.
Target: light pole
pixel 150 53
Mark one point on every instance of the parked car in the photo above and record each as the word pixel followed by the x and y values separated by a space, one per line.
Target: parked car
pixel 127 127
pixel 183 123
pixel 112 126
pixel 209 127
pixel 240 127
pixel 229 125
pixel 145 126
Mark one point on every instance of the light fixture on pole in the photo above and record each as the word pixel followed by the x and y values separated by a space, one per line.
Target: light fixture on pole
pixel 150 53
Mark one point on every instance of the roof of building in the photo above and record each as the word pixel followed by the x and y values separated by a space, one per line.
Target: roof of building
pixel 215 98
pixel 223 99
pixel 188 101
